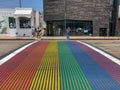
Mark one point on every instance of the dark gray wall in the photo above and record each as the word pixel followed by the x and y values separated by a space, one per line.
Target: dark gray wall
pixel 92 10
pixel 53 10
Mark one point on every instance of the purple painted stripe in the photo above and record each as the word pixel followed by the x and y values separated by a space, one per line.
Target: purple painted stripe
pixel 110 67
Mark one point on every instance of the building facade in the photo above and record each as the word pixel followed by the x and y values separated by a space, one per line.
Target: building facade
pixel 117 30
pixel 118 23
pixel 5 20
pixel 84 17
pixel 114 18
pixel 19 21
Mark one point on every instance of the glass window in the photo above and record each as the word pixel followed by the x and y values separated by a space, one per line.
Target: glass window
pixel 58 28
pixel 77 28
pixel 25 22
pixel 55 28
pixel 12 23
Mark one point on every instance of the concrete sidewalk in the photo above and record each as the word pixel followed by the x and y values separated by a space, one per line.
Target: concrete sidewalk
pixel 60 38
pixel 110 46
pixel 15 38
pixel 8 46
pixel 79 38
pixel 107 44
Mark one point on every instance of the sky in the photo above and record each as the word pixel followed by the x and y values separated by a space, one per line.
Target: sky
pixel 35 4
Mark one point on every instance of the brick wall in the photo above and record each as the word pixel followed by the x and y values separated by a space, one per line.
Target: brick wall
pixel 90 10
pixel 118 27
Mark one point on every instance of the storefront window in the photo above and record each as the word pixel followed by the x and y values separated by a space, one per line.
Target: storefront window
pixel 12 23
pixel 25 22
pixel 77 28
pixel 58 28
pixel 55 28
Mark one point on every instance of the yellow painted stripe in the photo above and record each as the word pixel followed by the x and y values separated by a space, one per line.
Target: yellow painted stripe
pixel 47 76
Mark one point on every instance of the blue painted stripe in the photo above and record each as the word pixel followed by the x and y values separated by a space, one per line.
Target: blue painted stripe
pixel 98 78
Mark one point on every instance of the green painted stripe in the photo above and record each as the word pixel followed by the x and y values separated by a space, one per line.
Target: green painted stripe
pixel 71 75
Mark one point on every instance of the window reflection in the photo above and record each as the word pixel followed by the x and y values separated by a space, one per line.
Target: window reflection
pixel 12 23
pixel 77 28
pixel 25 22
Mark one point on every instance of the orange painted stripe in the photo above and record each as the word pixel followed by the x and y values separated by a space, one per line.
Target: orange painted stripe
pixel 22 77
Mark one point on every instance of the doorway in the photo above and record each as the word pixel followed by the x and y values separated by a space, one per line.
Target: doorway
pixel 103 32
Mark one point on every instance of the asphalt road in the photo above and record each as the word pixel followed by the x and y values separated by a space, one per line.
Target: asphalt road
pixel 60 65
pixel 110 46
pixel 8 46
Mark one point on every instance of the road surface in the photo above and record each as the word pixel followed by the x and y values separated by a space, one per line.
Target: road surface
pixel 59 65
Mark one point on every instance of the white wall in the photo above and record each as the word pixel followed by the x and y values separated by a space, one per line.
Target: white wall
pixel 12 32
pixel 20 31
pixel 37 19
pixel 27 32
pixel 8 13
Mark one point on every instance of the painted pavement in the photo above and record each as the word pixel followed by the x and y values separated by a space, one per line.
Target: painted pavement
pixel 59 65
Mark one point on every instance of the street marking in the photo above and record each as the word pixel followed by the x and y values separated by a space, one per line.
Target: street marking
pixel 22 76
pixel 46 77
pixel 71 74
pixel 2 61
pixel 117 61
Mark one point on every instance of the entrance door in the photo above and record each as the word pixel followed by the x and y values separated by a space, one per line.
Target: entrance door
pixel 50 29
pixel 103 32
pixel 55 28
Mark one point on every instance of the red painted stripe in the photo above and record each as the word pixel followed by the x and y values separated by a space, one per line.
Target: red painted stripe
pixel 23 75
pixel 7 68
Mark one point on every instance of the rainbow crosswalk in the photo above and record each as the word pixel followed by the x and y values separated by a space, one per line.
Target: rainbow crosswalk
pixel 59 65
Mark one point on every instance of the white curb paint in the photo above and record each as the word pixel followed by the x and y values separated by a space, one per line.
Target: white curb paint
pixel 2 61
pixel 117 61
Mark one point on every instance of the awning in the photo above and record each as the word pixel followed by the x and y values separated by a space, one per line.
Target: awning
pixel 22 12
